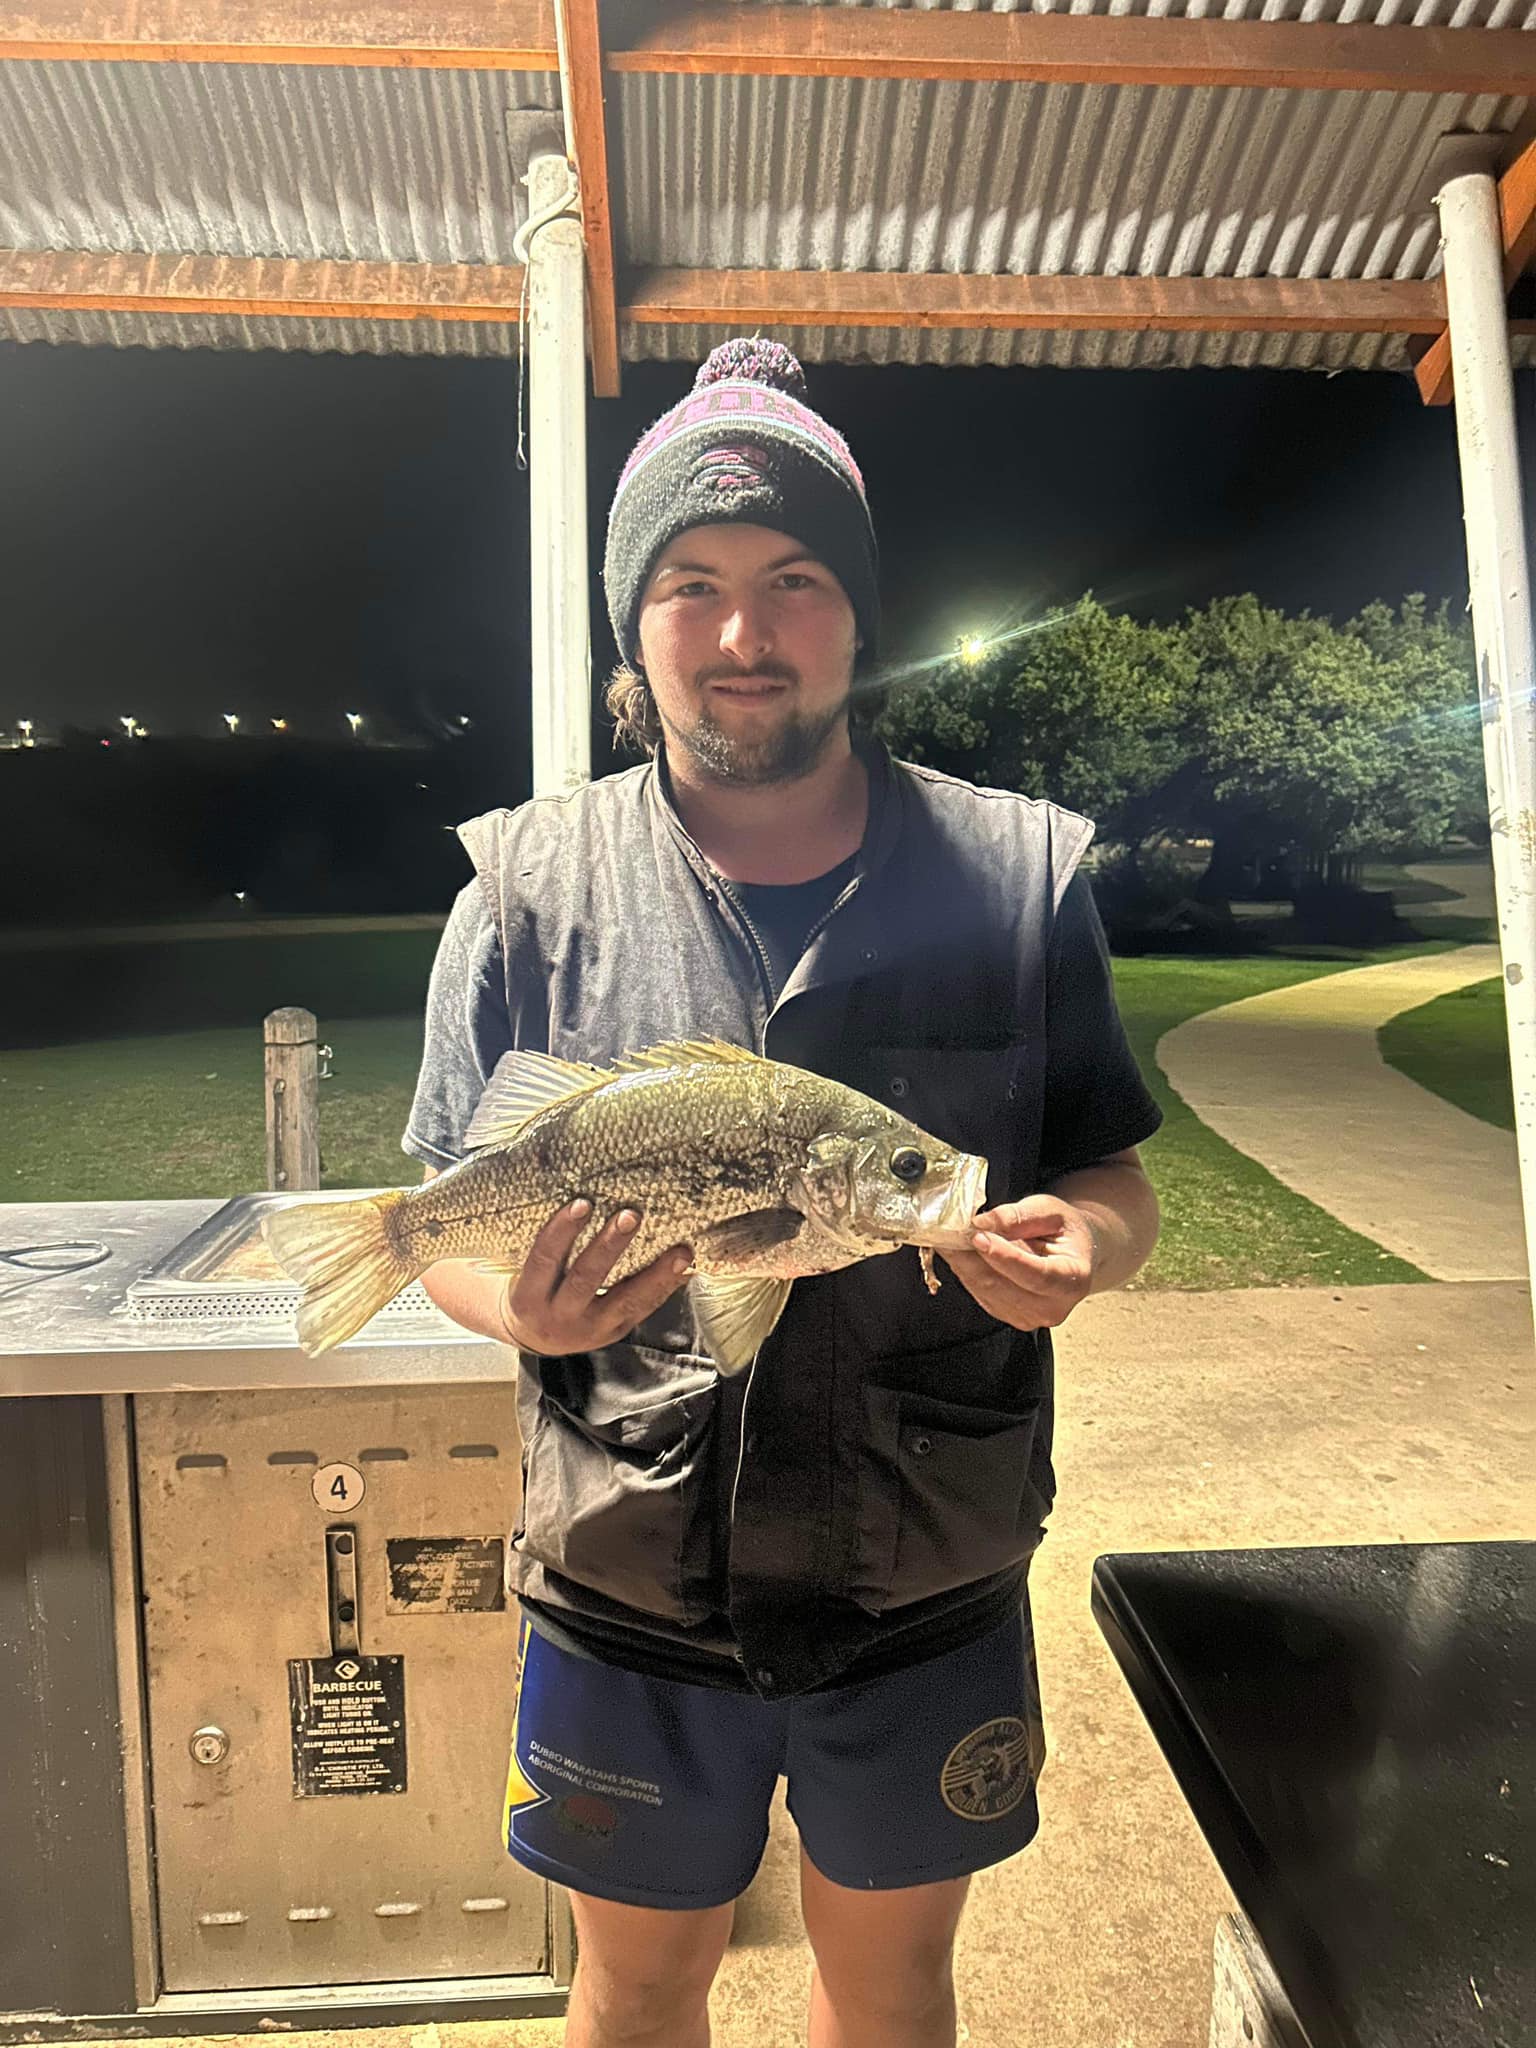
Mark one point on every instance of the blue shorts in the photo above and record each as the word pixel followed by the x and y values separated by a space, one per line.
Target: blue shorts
pixel 653 1793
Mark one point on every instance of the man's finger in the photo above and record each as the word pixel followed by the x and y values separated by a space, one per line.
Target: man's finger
pixel 997 1296
pixel 587 1273
pixel 544 1267
pixel 1020 1264
pixel 1039 1216
pixel 644 1292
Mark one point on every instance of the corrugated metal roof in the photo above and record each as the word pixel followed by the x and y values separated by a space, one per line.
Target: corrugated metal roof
pixel 750 173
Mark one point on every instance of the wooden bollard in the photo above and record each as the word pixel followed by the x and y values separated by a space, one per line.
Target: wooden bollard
pixel 292 1071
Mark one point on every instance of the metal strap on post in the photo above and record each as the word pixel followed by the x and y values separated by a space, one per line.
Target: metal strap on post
pixel 1499 571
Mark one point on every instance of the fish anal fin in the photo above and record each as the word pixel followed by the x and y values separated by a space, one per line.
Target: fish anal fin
pixel 737 1316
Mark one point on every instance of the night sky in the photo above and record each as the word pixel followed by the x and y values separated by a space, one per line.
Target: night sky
pixel 184 533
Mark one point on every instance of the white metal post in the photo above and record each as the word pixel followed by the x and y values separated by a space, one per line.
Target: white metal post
pixel 557 475
pixel 1501 612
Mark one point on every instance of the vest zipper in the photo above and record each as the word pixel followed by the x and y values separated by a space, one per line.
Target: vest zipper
pixel 764 965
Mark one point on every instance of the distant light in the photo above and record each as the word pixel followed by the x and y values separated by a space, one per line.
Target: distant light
pixel 279 725
pixel 239 895
pixel 129 725
pixel 232 719
pixel 973 648
pixel 24 727
pixel 464 722
pixel 106 743
pixel 354 719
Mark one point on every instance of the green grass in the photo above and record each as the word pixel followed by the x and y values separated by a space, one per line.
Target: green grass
pixel 1226 1221
pixel 183 1115
pixel 1456 1047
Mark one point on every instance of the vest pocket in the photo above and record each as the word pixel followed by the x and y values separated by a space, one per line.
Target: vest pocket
pixel 619 1504
pixel 945 1497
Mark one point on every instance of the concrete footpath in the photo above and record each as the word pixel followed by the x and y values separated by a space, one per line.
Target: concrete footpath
pixel 1281 1416
pixel 1295 1080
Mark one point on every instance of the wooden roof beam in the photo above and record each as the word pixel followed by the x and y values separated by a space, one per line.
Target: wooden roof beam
pixel 1083 49
pixel 317 288
pixel 474 35
pixel 786 41
pixel 586 143
pixel 1517 226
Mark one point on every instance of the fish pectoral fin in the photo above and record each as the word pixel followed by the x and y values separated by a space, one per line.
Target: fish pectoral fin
pixel 523 1086
pixel 500 1267
pixel 742 1237
pixel 737 1316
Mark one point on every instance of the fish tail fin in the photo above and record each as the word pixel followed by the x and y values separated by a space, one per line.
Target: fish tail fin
pixel 343 1256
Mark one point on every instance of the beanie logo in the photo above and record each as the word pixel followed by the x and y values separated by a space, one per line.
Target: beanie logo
pixel 731 468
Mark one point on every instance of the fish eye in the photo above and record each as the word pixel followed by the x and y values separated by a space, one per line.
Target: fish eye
pixel 908 1164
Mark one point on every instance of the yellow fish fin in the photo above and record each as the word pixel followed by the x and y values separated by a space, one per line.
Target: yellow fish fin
pixel 737 1316
pixel 342 1256
pixel 523 1086
pixel 688 1052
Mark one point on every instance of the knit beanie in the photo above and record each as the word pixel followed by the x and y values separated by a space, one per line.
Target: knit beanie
pixel 743 448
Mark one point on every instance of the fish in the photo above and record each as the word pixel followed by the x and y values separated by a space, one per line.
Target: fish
pixel 769 1172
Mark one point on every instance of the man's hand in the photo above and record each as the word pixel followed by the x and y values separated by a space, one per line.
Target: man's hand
pixel 553 1306
pixel 1033 1263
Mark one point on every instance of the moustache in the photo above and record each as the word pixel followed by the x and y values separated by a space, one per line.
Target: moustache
pixel 760 672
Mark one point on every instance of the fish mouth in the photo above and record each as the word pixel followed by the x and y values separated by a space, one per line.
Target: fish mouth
pixel 947 1220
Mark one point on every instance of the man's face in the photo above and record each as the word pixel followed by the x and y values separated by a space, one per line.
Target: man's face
pixel 747 642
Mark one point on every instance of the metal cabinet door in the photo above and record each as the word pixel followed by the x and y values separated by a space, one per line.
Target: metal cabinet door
pixel 260 1887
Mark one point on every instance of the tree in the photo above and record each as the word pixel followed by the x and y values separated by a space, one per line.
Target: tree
pixel 1272 735
pixel 1083 707
pixel 1431 785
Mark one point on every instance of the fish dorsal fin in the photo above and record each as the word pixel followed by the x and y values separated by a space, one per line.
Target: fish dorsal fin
pixel 523 1086
pixel 736 1316
pixel 687 1052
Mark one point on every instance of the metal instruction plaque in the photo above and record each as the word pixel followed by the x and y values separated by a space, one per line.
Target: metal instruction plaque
pixel 445 1575
pixel 348 1718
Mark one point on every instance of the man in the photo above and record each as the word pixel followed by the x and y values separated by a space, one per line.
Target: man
pixel 819 1569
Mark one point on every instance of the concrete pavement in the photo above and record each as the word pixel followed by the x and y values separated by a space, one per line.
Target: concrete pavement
pixel 1295 1080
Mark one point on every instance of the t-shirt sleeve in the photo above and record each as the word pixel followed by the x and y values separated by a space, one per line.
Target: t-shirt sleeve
pixel 467 1031
pixel 1095 1099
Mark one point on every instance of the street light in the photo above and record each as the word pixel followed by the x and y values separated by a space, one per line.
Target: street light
pixel 24 727
pixel 232 719
pixel 973 648
pixel 279 725
pixel 130 726
pixel 354 719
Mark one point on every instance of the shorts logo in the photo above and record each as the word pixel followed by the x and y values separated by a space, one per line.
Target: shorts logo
pixel 988 1773
pixel 739 467
pixel 581 1814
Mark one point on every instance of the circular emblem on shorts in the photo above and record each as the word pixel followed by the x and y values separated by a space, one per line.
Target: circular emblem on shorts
pixel 581 1813
pixel 987 1774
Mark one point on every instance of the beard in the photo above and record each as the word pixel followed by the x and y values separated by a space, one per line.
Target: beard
pixel 784 754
